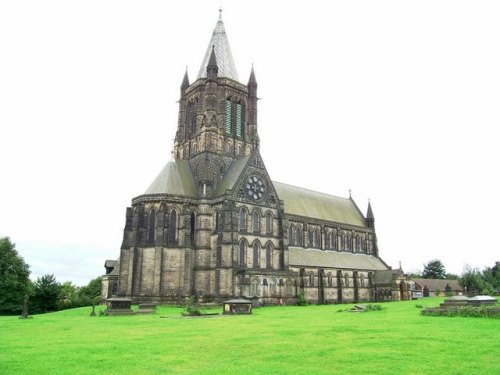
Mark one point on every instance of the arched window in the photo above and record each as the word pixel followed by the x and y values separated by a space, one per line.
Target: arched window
pixel 172 228
pixel 216 220
pixel 348 242
pixel 243 220
pixel 330 279
pixel 269 255
pixel 243 252
pixel 310 237
pixel 334 239
pixel 256 255
pixel 311 279
pixel 192 118
pixel 291 235
pixel 327 240
pixel 299 236
pixel 362 280
pixel 346 279
pixel 229 116
pixel 256 221
pixel 151 227
pixel 315 238
pixel 269 223
pixel 193 227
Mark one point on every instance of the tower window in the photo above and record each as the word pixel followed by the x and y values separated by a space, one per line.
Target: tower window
pixel 239 119
pixel 229 115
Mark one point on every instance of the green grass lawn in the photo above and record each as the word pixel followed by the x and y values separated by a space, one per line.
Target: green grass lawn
pixel 274 340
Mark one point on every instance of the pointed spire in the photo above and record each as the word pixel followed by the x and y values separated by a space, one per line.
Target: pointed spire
pixel 212 68
pixel 252 77
pixel 220 45
pixel 370 219
pixel 185 81
pixel 369 213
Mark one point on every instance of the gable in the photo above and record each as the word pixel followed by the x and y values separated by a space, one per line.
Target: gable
pixel 248 180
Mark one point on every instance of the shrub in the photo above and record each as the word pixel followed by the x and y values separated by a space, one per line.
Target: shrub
pixel 301 299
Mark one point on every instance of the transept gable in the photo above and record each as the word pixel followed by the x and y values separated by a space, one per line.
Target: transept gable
pixel 251 182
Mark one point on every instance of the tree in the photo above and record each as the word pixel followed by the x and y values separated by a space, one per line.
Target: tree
pixel 473 282
pixel 14 278
pixel 46 292
pixel 86 294
pixel 434 270
pixel 492 276
pixel 68 296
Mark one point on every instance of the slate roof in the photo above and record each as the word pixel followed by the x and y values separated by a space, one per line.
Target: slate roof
pixel 333 259
pixel 440 284
pixel 231 176
pixel 308 203
pixel 175 178
pixel 225 62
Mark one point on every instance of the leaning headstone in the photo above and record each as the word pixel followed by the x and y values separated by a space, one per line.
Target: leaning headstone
pixel 24 313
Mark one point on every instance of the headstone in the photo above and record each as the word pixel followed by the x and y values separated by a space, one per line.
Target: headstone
pixel 24 313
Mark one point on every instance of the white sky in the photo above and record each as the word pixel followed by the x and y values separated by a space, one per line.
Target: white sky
pixel 395 100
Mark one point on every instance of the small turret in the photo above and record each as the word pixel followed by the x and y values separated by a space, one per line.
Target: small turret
pixel 252 106
pixel 370 219
pixel 212 68
pixel 185 81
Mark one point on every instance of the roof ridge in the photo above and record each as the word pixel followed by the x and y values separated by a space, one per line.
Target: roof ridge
pixel 314 191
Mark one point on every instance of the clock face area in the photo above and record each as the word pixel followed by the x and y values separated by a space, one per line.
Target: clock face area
pixel 255 188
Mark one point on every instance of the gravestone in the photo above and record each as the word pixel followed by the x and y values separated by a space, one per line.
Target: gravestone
pixel 119 306
pixel 24 313
pixel 237 306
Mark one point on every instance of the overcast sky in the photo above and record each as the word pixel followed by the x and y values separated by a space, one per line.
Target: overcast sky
pixel 396 100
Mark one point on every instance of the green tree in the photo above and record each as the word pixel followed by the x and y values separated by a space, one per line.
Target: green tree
pixel 14 278
pixel 86 294
pixel 473 282
pixel 68 296
pixel 46 292
pixel 434 270
pixel 492 276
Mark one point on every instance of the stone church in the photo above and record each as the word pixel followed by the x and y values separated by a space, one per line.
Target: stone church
pixel 215 225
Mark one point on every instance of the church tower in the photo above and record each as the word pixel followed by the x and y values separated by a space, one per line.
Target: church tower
pixel 217 115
